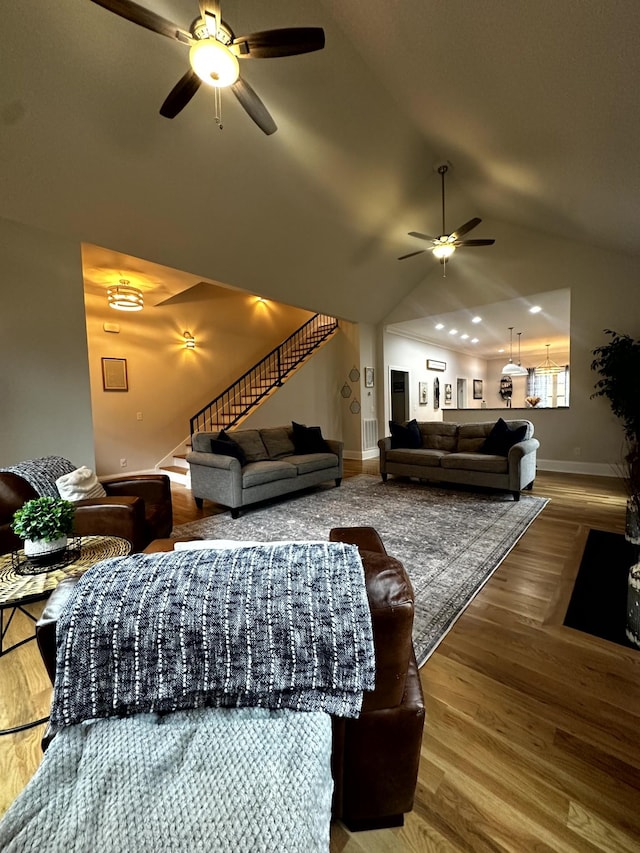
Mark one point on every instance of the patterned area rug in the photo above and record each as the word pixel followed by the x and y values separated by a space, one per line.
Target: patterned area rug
pixel 450 541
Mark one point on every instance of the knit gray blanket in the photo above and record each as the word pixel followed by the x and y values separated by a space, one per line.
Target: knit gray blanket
pixel 42 473
pixel 266 626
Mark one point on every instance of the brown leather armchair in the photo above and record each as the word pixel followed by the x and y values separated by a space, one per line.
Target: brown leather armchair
pixel 375 757
pixel 137 508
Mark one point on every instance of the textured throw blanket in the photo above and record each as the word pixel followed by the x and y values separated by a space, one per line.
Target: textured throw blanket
pixel 230 781
pixel 42 473
pixel 275 626
pixel 283 628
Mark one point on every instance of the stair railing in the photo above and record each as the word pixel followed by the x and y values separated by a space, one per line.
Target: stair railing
pixel 252 387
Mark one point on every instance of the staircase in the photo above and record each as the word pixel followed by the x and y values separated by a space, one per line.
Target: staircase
pixel 238 401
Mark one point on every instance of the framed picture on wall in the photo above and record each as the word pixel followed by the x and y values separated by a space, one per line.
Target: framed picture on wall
pixel 477 389
pixel 368 377
pixel 434 364
pixel 422 393
pixel 447 394
pixel 114 374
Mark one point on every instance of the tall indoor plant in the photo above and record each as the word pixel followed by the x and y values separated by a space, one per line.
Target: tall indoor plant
pixel 618 364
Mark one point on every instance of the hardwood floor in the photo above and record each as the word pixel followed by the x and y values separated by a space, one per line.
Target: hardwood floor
pixel 531 740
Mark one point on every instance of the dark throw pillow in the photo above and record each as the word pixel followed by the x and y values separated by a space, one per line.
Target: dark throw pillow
pixel 405 436
pixel 502 438
pixel 226 446
pixel 308 439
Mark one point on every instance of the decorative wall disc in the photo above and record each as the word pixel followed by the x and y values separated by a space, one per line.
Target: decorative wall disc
pixel 354 376
pixel 346 390
pixel 354 407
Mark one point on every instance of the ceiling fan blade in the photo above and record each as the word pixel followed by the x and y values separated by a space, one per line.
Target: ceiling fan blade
pixel 180 95
pixel 254 106
pixel 421 236
pixel 474 242
pixel 285 42
pixel 411 254
pixel 145 18
pixel 464 229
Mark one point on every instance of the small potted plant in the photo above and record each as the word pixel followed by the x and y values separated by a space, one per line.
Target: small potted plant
pixel 44 524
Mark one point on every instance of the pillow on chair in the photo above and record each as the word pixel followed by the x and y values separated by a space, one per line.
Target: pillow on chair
pixel 80 484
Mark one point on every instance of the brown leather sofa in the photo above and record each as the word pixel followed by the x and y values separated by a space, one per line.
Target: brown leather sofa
pixel 375 758
pixel 137 508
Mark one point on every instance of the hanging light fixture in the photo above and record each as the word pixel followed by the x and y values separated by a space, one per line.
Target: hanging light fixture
pixel 124 297
pixel 519 359
pixel 549 367
pixel 511 369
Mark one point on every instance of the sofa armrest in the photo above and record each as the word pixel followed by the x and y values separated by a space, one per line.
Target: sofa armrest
pixel 111 516
pixel 366 538
pixel 385 443
pixel 152 488
pixel 522 448
pixel 213 460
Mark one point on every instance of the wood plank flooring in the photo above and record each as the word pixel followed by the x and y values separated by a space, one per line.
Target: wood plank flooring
pixel 531 741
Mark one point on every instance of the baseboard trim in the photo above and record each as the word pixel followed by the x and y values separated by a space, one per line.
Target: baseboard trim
pixel 360 456
pixel 565 466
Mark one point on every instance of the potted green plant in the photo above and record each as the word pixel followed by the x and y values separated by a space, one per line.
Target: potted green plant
pixel 44 524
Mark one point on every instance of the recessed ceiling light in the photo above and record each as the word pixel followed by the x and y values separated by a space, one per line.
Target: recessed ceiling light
pixel 476 320
pixel 535 309
pixel 453 331
pixel 439 326
pixel 464 337
pixel 474 340
pixel 501 349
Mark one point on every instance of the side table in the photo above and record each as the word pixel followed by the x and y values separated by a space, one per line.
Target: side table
pixel 22 584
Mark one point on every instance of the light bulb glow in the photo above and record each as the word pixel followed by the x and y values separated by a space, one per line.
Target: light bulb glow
pixel 443 250
pixel 214 63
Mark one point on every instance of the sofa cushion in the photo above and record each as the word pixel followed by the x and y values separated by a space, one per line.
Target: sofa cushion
pixel 502 437
pixel 437 435
pixel 278 442
pixel 308 439
pixel 251 443
pixel 407 435
pixel 475 462
pixel 471 437
pixel 307 462
pixel 268 471
pixel 226 446
pixel 416 456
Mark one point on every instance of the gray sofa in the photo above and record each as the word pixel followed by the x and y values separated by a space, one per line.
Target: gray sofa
pixel 450 453
pixel 273 466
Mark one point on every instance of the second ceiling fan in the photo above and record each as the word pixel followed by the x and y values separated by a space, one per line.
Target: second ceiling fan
pixel 215 51
pixel 446 244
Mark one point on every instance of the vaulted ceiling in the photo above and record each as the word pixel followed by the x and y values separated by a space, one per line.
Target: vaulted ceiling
pixel 534 104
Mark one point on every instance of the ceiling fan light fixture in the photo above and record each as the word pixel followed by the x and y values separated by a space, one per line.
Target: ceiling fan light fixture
pixel 214 63
pixel 444 250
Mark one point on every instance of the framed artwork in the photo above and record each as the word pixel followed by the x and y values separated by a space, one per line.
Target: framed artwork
pixel 477 389
pixel 114 374
pixel 422 393
pixel 432 364
pixel 436 394
pixel 368 377
pixel 447 394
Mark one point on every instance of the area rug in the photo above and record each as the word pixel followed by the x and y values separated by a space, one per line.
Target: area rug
pixel 450 541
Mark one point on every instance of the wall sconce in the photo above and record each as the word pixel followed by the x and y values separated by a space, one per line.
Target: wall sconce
pixel 189 340
pixel 124 297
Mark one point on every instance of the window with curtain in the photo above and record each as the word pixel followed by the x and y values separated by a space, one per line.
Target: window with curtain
pixel 552 388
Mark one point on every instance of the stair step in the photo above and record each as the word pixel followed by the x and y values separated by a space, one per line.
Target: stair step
pixel 175 469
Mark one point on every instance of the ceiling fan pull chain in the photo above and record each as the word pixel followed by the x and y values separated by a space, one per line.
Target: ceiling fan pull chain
pixel 218 106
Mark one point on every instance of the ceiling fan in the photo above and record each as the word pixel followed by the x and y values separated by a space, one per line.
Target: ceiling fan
pixel 215 51
pixel 446 244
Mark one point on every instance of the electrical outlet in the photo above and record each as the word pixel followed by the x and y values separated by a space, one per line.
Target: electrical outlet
pixel 123 463
pixel 139 416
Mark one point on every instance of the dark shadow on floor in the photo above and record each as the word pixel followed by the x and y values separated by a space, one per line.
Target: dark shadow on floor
pixel 598 603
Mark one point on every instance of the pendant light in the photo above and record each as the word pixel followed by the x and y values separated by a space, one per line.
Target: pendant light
pixel 124 297
pixel 511 369
pixel 549 367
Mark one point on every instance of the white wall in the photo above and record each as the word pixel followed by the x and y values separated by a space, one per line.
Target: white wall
pixel 409 354
pixel 44 382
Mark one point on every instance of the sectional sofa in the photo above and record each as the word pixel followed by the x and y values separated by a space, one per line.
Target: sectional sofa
pixel 498 455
